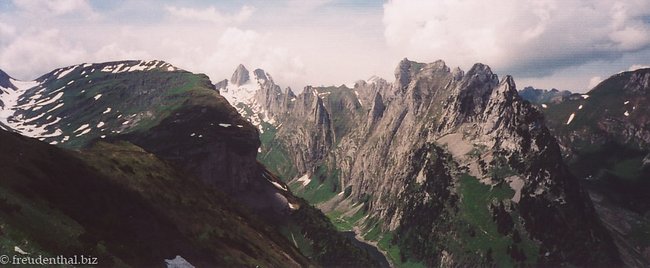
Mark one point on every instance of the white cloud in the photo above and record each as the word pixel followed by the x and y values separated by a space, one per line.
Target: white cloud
pixel 213 42
pixel 210 14
pixel 326 42
pixel 33 49
pixel 594 81
pixel 302 6
pixel 638 66
pixel 253 49
pixel 7 30
pixel 529 37
pixel 56 8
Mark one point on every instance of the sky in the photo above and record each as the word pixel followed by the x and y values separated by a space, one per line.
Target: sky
pixel 564 44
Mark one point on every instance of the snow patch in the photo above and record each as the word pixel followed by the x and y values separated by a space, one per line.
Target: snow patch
pixel 84 132
pixel 544 106
pixel 279 186
pixel 626 113
pixel 8 115
pixel 55 107
pixel 108 110
pixel 224 125
pixel 66 72
pixel 178 262
pixel 101 124
pixel 17 249
pixel 516 184
pixel 98 96
pixel 51 100
pixel 324 94
pixel 570 118
pixel 580 107
pixel 81 128
pixel 304 179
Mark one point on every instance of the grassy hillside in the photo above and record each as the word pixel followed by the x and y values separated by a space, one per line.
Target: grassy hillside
pixel 125 206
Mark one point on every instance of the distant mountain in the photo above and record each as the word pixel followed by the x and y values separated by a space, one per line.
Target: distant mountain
pixel 605 135
pixel 440 167
pixel 543 96
pixel 171 119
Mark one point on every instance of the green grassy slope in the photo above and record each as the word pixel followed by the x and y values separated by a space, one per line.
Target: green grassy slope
pixel 125 206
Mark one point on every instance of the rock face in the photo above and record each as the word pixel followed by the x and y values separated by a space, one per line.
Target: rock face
pixel 445 166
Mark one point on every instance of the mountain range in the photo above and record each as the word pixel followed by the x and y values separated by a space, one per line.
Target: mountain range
pixel 141 163
pixel 440 167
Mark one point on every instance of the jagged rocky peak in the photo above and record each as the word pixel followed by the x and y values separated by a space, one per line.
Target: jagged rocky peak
pixel 458 73
pixel 480 70
pixel 406 70
pixel 5 80
pixel 478 81
pixel 509 87
pixel 260 75
pixel 289 92
pixel 377 110
pixel 240 76
pixel 436 66
pixel 375 79
pixel 221 85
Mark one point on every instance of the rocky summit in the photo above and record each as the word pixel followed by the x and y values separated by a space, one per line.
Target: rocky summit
pixel 440 167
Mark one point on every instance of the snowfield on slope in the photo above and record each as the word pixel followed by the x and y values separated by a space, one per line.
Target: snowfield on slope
pixel 27 126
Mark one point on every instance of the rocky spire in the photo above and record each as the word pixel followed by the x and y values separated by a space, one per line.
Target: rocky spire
pixel 377 110
pixel 402 73
pixel 458 74
pixel 221 85
pixel 260 75
pixel 5 80
pixel 241 76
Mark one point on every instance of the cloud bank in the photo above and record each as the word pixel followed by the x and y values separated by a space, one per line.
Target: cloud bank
pixel 525 37
pixel 543 43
